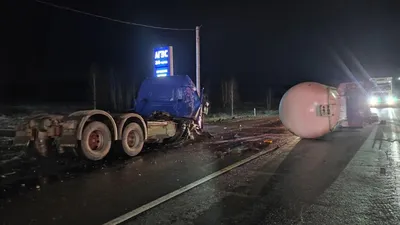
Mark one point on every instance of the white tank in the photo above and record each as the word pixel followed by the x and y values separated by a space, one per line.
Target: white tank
pixel 305 112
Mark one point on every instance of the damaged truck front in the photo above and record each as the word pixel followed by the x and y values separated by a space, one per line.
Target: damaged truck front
pixel 167 110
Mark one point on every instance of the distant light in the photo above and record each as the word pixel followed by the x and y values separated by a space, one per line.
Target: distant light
pixel 161 71
pixel 160 62
pixel 398 78
pixel 163 61
pixel 390 100
pixel 373 100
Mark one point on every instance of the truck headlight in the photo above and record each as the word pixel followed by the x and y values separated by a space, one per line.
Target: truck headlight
pixel 390 100
pixel 373 100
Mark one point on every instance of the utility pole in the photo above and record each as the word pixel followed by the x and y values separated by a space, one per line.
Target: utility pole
pixel 93 73
pixel 231 97
pixel 94 91
pixel 198 59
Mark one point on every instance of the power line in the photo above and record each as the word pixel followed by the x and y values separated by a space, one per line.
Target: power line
pixel 111 19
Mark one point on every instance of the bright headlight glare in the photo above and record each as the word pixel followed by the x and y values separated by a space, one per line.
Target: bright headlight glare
pixel 373 100
pixel 389 100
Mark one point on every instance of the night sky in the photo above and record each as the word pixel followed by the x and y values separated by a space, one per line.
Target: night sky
pixel 48 52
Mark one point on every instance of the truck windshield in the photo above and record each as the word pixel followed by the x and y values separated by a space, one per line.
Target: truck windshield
pixel 382 87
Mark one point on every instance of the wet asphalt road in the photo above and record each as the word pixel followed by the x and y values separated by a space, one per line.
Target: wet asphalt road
pixel 350 176
pixel 343 178
pixel 94 193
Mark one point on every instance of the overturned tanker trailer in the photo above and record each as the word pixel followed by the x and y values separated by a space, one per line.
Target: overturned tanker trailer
pixel 167 109
pixel 310 109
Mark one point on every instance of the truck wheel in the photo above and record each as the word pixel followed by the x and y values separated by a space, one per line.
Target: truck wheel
pixel 132 139
pixel 96 141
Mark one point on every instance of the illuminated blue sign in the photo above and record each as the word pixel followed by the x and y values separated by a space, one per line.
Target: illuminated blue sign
pixel 163 62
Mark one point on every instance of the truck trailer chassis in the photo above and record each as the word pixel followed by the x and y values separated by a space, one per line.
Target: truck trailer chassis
pixel 93 133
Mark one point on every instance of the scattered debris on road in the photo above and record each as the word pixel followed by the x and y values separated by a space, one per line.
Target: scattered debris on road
pixel 249 137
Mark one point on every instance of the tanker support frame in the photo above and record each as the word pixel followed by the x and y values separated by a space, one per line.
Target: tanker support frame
pixel 92 133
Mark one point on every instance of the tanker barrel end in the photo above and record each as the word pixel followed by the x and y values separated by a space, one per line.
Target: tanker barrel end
pixel 310 109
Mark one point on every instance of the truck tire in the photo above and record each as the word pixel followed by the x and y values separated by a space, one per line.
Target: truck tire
pixel 132 140
pixel 96 141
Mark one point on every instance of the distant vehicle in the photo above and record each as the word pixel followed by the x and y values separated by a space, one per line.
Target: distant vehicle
pixel 381 93
pixel 167 110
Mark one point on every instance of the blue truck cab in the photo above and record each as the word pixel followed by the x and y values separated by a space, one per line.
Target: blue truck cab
pixel 175 95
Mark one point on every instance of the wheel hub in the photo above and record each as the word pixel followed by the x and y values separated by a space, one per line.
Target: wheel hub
pixel 95 140
pixel 131 139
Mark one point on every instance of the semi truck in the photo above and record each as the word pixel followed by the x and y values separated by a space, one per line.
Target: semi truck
pixel 381 93
pixel 167 109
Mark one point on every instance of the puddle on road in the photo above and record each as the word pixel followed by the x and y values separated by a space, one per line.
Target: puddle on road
pixel 33 174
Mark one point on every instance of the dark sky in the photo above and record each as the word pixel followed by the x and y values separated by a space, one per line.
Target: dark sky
pixel 48 51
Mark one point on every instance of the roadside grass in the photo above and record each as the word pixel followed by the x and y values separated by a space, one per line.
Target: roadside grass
pixel 213 117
